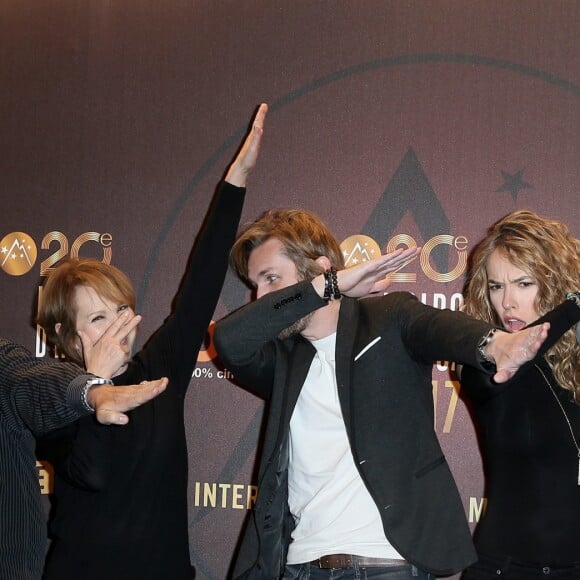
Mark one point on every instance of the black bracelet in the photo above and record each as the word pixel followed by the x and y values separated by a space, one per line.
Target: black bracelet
pixel 331 291
pixel 575 297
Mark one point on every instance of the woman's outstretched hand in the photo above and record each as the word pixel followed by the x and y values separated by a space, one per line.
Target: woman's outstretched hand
pixel 246 159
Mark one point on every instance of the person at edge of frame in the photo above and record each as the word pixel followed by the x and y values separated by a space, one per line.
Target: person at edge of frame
pixel 37 396
pixel 525 271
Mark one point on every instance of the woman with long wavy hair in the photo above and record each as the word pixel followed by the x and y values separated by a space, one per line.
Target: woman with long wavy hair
pixel 525 270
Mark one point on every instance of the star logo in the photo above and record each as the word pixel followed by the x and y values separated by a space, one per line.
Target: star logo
pixel 513 183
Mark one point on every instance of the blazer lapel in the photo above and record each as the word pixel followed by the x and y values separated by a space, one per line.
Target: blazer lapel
pixel 294 368
pixel 345 338
pixel 298 366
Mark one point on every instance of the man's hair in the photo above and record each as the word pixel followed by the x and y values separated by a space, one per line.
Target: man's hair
pixel 57 301
pixel 304 238
pixel 546 251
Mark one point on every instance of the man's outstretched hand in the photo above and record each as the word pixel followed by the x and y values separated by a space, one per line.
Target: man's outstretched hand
pixel 111 402
pixel 510 350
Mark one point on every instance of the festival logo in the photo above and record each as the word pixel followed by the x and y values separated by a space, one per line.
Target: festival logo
pixel 359 248
pixel 17 253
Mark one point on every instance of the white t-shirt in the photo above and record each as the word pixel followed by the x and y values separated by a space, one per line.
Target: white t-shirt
pixel 333 510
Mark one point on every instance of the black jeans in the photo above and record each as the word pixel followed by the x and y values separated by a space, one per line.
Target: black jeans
pixel 505 568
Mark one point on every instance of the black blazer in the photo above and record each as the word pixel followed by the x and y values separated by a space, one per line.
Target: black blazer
pixel 385 349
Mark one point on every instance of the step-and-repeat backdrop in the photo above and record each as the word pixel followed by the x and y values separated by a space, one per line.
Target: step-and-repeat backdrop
pixel 399 122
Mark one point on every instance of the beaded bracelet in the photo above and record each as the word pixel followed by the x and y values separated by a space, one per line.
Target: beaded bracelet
pixel 574 296
pixel 331 290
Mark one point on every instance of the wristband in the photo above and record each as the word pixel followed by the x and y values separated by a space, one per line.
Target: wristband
pixel 331 291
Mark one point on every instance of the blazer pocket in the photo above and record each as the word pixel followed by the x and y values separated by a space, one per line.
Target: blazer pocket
pixel 367 347
pixel 430 466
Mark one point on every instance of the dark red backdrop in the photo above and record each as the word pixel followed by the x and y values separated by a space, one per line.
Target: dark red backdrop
pixel 420 118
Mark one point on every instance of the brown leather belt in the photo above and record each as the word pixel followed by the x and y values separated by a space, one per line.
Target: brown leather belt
pixel 349 560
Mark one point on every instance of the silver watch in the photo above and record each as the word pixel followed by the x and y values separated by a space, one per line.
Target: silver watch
pixel 487 364
pixel 93 381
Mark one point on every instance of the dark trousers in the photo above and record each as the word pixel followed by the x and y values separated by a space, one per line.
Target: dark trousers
pixel 505 568
pixel 355 572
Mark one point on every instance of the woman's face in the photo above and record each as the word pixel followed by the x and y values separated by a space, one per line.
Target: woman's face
pixel 95 314
pixel 512 292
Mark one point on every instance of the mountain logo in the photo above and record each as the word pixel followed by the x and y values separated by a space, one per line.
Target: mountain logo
pixel 359 248
pixel 17 253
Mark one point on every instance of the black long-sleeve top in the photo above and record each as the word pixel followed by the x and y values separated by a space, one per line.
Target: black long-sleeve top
pixel 34 399
pixel 531 462
pixel 121 494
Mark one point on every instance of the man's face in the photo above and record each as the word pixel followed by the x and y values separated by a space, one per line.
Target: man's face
pixel 269 269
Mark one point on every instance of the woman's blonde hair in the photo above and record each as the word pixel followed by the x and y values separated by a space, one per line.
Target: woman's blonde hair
pixel 545 250
pixel 57 299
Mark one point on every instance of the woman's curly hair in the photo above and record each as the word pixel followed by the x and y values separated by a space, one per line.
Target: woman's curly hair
pixel 544 249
